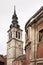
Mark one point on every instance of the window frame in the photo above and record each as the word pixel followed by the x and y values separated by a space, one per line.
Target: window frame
pixel 18 35
pixel 10 35
pixel 40 35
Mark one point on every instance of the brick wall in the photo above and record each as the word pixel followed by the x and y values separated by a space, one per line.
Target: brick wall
pixel 40 50
pixel 27 56
pixel 40 64
pixel 19 62
pixel 3 60
pixel 40 26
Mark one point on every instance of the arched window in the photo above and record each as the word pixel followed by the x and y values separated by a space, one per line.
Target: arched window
pixel 41 35
pixel 18 35
pixel 10 35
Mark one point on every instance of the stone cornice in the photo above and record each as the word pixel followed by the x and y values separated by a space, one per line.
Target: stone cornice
pixel 39 59
pixel 35 17
pixel 14 27
pixel 14 39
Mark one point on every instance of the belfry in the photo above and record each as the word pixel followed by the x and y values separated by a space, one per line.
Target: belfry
pixel 15 43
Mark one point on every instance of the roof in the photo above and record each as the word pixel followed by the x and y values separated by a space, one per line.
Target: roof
pixel 2 56
pixel 15 20
pixel 41 9
pixel 22 57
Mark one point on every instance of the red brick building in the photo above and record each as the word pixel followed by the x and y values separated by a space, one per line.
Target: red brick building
pixel 33 42
pixel 3 60
pixel 34 39
pixel 21 60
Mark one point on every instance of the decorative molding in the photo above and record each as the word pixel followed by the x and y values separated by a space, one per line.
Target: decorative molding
pixel 27 46
pixel 15 39
pixel 35 17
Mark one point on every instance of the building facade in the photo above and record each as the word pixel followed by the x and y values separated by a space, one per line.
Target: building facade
pixel 21 60
pixel 15 43
pixel 3 60
pixel 34 39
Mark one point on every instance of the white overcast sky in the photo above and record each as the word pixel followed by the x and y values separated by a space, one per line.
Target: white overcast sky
pixel 24 9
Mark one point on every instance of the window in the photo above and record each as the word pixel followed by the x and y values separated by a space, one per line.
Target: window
pixel 17 34
pixel 10 35
pixel 41 35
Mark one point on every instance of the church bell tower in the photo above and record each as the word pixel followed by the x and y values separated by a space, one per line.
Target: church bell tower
pixel 15 43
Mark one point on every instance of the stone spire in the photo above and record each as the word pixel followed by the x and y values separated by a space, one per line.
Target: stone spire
pixel 14 20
